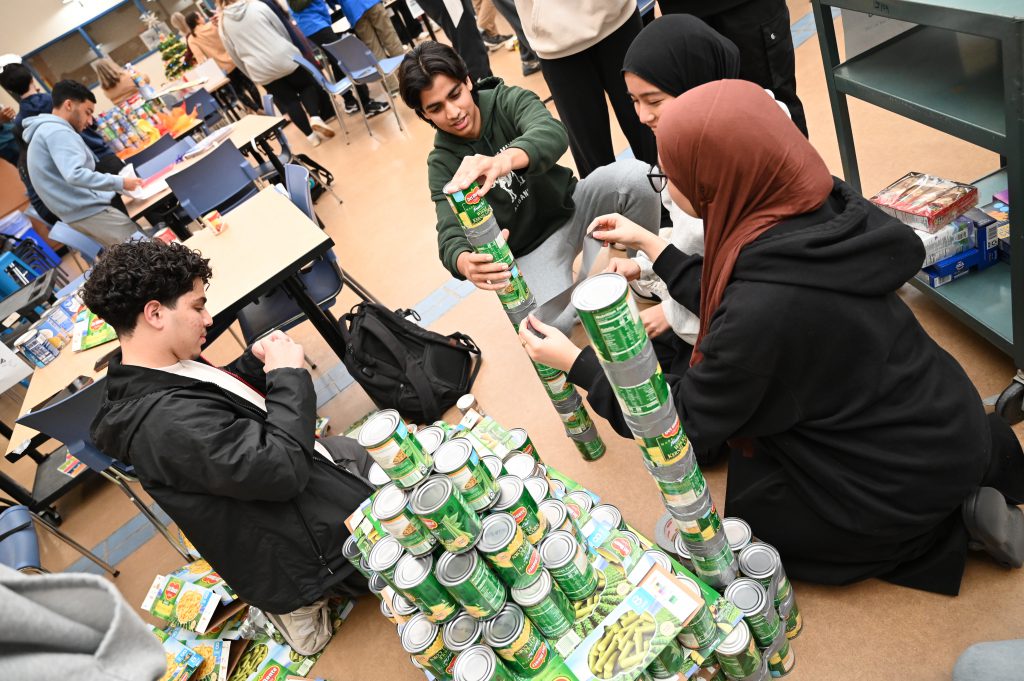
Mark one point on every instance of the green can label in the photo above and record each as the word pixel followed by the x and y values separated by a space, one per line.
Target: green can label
pixel 410 532
pixel 668 448
pixel 554 615
pixel 432 599
pixel 718 564
pixel 516 292
pixel 686 490
pixel 616 331
pixel 643 398
pixel 475 483
pixel 520 558
pixel 402 457
pixel 701 631
pixel 467 203
pixel 702 528
pixel 527 654
pixel 590 450
pixel 781 663
pixel 555 382
pixel 481 594
pixel 530 520
pixel 437 658
pixel 743 664
pixel 578 579
pixel 794 622
pixel 577 421
pixel 669 662
pixel 765 626
pixel 454 524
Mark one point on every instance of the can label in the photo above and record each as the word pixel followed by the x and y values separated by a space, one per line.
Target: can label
pixel 669 662
pixel 555 382
pixel 616 331
pixel 527 654
pixel 782 662
pixel 743 664
pixel 577 421
pixel 644 398
pixel 794 623
pixel 454 524
pixel 687 490
pixel 467 203
pixel 481 593
pixel 410 532
pixel 720 563
pixel 765 626
pixel 475 483
pixel 437 658
pixel 532 522
pixel 520 558
pixel 553 615
pixel 402 457
pixel 701 631
pixel 667 448
pixel 590 450
pixel 432 599
pixel 702 528
pixel 516 292
pixel 577 578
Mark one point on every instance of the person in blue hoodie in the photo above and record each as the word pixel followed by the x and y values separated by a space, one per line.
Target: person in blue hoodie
pixel 63 168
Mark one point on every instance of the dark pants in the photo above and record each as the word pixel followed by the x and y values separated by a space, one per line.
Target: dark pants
pixel 507 9
pixel 246 90
pixel 296 94
pixel 10 152
pixel 327 35
pixel 579 83
pixel 465 38
pixel 761 31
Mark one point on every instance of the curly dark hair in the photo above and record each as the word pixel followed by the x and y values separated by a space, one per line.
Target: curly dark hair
pixel 129 275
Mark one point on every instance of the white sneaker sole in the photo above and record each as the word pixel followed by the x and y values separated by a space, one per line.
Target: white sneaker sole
pixel 323 130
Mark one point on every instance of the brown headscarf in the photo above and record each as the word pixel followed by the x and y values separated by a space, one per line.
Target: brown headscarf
pixel 732 151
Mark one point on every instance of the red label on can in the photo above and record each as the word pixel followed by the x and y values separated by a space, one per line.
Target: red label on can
pixel 171 592
pixel 534 563
pixel 429 523
pixel 673 430
pixel 270 674
pixel 538 660
pixel 473 197
pixel 573 510
pixel 451 665
pixel 519 514
pixel 621 546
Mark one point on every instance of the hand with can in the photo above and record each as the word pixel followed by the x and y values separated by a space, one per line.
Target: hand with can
pixel 487 169
pixel 617 229
pixel 278 351
pixel 482 271
pixel 552 348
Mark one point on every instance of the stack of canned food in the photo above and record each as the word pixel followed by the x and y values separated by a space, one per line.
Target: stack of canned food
pixel 484 236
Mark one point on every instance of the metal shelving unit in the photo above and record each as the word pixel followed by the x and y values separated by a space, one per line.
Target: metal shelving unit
pixel 960 70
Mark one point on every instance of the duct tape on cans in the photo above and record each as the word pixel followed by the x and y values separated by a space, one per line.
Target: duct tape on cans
pixel 633 370
pixel 654 424
pixel 484 233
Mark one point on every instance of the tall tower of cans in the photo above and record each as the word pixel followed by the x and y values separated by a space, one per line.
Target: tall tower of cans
pixel 484 235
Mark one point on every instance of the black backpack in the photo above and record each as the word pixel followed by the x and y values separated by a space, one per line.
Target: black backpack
pixel 403 366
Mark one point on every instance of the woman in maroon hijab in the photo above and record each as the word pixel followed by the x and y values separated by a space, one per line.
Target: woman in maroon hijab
pixel 861 448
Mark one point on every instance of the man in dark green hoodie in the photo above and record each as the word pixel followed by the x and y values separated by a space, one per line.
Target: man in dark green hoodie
pixel 504 137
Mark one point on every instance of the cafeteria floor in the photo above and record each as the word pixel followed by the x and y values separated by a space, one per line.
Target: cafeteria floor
pixel 385 238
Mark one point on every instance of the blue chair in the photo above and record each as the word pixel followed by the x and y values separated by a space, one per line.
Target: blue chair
pixel 205 107
pixel 323 278
pixel 331 88
pixel 19 544
pixel 362 68
pixel 218 181
pixel 84 246
pixel 165 157
pixel 163 144
pixel 68 421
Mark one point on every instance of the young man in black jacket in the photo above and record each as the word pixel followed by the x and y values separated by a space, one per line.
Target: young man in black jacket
pixel 228 453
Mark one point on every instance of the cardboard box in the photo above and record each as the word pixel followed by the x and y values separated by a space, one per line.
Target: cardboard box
pixel 186 605
pixel 200 572
pixel 182 661
pixel 954 238
pixel 925 201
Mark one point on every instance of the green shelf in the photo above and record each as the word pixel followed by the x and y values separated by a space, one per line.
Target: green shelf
pixel 949 81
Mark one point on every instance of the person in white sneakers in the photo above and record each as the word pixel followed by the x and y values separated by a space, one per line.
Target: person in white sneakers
pixel 258 42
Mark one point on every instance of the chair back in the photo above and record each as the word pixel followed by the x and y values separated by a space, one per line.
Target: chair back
pixel 354 57
pixel 296 181
pixel 218 181
pixel 268 105
pixel 204 106
pixel 166 157
pixel 163 144
pixel 19 545
pixel 312 70
pixel 71 237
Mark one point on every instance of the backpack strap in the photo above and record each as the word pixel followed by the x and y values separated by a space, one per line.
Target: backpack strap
pixel 472 348
pixel 417 378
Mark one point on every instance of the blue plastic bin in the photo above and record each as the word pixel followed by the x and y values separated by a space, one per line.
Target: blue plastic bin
pixel 18 225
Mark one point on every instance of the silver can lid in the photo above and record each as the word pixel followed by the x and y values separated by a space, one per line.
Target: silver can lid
pixel 538 488
pixel 534 592
pixel 477 663
pixel 454 568
pixel 738 532
pixel 555 512
pixel 581 499
pixel 430 438
pixel 377 584
pixel 377 476
pixel 498 531
pixel 431 494
pixel 400 605
pixel 350 549
pixel 494 465
pixel 466 402
pixel 385 553
pixel 505 627
pixel 759 561
pixel 660 558
pixel 462 632
pixel 598 292
pixel 418 634
pixel 516 438
pixel 389 502
pixel 452 455
pixel 510 488
pixel 736 642
pixel 691 585
pixel 682 550
pixel 412 570
pixel 558 548
pixel 747 594
pixel 415 662
pixel 607 514
pixel 520 465
pixel 385 610
pixel 379 428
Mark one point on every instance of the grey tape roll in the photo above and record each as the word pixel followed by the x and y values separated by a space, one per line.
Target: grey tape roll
pixel 634 370
pixel 588 435
pixel 518 314
pixel 569 404
pixel 487 232
pixel 673 472
pixel 709 547
pixel 552 308
pixel 653 424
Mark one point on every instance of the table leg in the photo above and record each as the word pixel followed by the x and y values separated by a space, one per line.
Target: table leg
pixel 323 321
pixel 9 485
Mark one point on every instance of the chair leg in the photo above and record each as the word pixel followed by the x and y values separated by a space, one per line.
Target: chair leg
pixel 366 119
pixel 358 289
pixel 394 109
pixel 160 527
pixel 341 119
pixel 75 545
pixel 311 363
pixel 238 339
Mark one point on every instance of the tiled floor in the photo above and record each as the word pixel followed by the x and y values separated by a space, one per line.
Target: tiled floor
pixel 385 238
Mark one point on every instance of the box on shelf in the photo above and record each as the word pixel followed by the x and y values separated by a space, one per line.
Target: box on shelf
pixel 954 238
pixel 999 231
pixel 925 201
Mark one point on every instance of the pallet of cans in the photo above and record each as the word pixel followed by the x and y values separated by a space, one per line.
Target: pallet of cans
pixel 503 568
pixel 484 235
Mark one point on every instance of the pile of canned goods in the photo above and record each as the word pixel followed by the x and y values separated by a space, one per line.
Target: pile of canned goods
pixel 42 343
pixel 484 235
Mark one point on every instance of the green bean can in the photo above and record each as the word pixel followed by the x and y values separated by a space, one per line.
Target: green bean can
pixel 480 663
pixel 390 507
pixel 514 638
pixel 590 449
pixel 737 654
pixel 752 600
pixel 610 317
pixel 576 421
pixel 567 562
pixel 513 557
pixel 515 499
pixel 702 630
pixel 557 515
pixel 423 640
pixel 459 461
pixel 445 513
pixel 666 448
pixel 519 440
pixel 384 557
pixel 546 606
pixel 516 291
pixel 461 632
pixel 354 556
pixel 669 662
pixel 388 441
pixel 471 208
pixel 415 579
pixel 555 382
pixel 645 397
pixel 473 584
pixel 794 621
pixel 782 662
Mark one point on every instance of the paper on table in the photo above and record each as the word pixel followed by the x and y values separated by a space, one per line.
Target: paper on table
pixel 147 190
pixel 455 10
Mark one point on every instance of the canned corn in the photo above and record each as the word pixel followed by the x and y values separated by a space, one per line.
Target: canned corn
pixel 701 630
pixel 459 461
pixel 667 446
pixel 545 604
pixel 567 562
pixel 514 638
pixel 430 438
pixel 384 557
pixel 402 608
pixel 514 498
pixel 609 515
pixel 472 583
pixel 555 382
pixel 752 600
pixel 521 465
pixel 645 397
pixel 422 638
pixel 479 663
pixel 737 654
pixel 414 578
pixel 558 518
pixel 461 632
pixel 471 208
pixel 441 507
pixel 738 533
pixel 518 439
pixel 538 488
pixel 391 508
pixel 610 317
pixel 516 292
pixel 387 439
pixel 506 548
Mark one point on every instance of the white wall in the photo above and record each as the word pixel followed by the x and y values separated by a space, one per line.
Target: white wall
pixel 26 25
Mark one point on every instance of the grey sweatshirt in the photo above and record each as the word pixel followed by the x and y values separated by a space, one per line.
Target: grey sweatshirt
pixel 63 170
pixel 72 626
pixel 257 41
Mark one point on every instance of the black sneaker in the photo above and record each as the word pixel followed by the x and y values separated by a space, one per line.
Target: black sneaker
pixel 351 108
pixel 376 108
pixel 494 40
pixel 531 67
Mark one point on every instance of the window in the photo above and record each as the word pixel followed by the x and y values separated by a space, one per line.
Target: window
pixel 68 58
pixel 116 33
pixel 163 9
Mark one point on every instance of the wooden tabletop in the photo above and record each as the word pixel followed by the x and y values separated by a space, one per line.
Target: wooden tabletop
pixel 243 132
pixel 248 259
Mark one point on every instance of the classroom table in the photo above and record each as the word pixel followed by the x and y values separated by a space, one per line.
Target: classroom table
pixel 267 241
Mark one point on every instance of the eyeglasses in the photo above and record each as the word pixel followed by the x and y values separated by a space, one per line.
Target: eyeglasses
pixel 658 181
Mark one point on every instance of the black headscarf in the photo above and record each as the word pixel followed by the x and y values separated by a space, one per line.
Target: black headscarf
pixel 678 52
